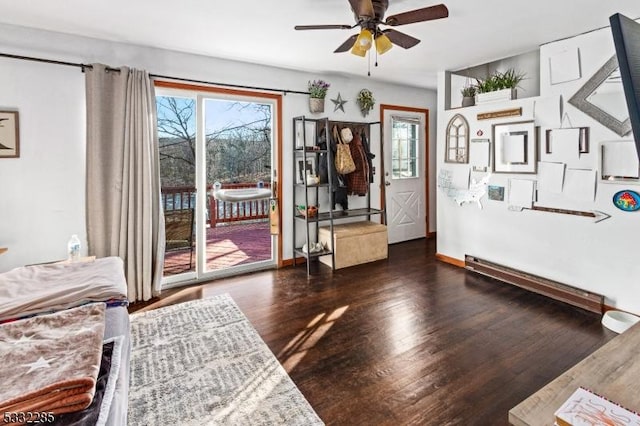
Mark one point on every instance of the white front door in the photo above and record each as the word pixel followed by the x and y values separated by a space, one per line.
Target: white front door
pixel 405 173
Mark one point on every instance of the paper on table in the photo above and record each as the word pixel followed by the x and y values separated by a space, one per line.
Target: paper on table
pixel 550 176
pixel 580 184
pixel 514 148
pixel 620 159
pixel 584 407
pixel 521 192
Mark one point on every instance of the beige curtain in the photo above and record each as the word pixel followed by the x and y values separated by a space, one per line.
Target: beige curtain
pixel 124 214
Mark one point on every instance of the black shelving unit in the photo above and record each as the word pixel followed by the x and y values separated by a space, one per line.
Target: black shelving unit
pixel 310 193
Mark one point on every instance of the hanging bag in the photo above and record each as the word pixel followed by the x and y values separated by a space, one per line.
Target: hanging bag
pixel 344 161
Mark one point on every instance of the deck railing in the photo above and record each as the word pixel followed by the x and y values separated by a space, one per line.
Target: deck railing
pixel 218 211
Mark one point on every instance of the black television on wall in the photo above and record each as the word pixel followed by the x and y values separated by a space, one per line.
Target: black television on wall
pixel 626 38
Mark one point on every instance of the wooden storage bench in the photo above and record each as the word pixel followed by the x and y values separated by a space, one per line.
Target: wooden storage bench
pixel 355 243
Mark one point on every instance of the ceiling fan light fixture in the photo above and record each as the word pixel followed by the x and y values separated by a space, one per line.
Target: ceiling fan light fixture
pixel 365 39
pixel 383 44
pixel 358 50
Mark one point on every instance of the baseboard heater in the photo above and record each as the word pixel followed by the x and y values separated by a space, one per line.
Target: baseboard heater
pixel 555 290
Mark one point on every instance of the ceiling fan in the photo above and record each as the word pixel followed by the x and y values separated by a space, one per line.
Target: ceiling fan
pixel 369 15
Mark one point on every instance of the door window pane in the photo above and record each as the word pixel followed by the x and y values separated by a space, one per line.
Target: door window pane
pixel 404 148
pixel 177 143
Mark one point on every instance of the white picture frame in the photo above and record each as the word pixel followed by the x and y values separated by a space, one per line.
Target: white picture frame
pixel 515 147
pixel 619 162
pixel 480 155
pixel 579 134
pixel 305 131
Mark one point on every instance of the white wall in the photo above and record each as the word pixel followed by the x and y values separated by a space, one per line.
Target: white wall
pixel 598 257
pixel 42 192
pixel 47 203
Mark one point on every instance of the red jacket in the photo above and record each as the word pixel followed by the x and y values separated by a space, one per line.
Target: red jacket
pixel 358 181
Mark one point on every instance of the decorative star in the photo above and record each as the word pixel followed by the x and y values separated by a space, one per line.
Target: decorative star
pixel 40 363
pixel 339 103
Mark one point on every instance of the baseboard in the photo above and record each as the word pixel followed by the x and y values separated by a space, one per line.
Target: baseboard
pixel 431 234
pixel 450 260
pixel 563 292
pixel 606 308
pixel 289 262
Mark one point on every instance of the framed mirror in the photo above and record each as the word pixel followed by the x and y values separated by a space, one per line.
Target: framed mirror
pixel 602 98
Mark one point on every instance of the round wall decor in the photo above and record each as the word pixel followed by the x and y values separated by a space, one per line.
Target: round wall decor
pixel 627 200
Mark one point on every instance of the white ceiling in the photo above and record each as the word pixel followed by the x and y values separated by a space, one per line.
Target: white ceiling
pixel 261 31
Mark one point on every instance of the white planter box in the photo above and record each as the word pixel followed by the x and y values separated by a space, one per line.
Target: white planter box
pixel 498 95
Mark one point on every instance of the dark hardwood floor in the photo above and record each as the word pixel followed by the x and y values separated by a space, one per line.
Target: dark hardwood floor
pixel 410 340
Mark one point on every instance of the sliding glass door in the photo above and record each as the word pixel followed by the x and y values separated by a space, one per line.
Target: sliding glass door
pixel 217 161
pixel 238 153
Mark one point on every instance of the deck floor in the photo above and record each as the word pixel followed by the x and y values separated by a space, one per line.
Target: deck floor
pixel 227 245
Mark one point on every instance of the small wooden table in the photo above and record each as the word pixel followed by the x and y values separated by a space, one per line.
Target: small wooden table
pixel 613 371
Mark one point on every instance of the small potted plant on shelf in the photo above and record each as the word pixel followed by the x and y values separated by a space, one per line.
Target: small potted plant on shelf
pixel 317 93
pixel 499 86
pixel 365 101
pixel 468 96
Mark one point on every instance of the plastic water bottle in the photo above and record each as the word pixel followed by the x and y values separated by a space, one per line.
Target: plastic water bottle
pixel 74 248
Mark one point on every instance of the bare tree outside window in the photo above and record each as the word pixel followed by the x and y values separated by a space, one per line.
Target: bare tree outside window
pixel 238 146
pixel 177 138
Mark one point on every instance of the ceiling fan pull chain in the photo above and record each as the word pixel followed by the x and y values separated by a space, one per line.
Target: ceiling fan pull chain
pixel 369 64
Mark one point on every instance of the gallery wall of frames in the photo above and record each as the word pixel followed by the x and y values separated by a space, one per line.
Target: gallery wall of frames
pixel 549 184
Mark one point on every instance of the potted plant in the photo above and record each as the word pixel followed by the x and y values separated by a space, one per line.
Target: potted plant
pixel 317 93
pixel 499 86
pixel 468 96
pixel 365 101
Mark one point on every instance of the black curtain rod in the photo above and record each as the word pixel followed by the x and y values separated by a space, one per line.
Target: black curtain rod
pixel 83 66
pixel 51 61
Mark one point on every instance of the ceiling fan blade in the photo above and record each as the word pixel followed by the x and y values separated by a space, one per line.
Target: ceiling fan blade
pixel 362 8
pixel 347 45
pixel 419 15
pixel 401 39
pixel 324 27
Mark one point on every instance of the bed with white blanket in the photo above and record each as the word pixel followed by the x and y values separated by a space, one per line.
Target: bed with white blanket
pixel 66 327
